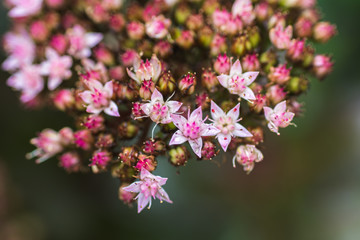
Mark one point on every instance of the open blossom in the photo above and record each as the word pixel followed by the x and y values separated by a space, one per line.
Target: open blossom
pixel 243 9
pixel 227 124
pixel 28 80
pixel 56 67
pixel 157 27
pixel 149 186
pixel 278 117
pixel 280 36
pixel 238 82
pixel 145 70
pixel 81 41
pixel 21 49
pixel 191 130
pixel 159 110
pixel 247 155
pixel 48 143
pixel 98 98
pixel 24 8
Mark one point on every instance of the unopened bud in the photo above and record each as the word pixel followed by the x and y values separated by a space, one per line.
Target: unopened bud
pixel 179 156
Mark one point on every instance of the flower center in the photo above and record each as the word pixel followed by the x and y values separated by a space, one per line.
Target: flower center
pixel 237 84
pixel 192 130
pixel 225 124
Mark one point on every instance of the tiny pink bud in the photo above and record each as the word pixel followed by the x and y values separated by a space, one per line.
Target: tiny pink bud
pixel 275 94
pixel 100 159
pixel 64 99
pixel 323 31
pixel 250 62
pixel 322 66
pixel 135 30
pixel 222 64
pixel 279 74
pixel 39 31
pixel 70 161
pixel 94 123
pixel 83 139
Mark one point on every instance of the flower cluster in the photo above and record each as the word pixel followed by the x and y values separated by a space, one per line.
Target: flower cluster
pixel 162 78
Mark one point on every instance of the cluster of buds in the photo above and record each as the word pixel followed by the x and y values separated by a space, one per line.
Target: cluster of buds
pixel 162 78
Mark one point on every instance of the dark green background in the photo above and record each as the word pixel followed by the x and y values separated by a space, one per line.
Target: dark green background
pixel 307 187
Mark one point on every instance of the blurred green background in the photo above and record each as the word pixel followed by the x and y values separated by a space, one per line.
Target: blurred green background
pixel 307 187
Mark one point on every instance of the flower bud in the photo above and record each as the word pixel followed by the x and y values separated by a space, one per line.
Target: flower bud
pixel 146 89
pixel 104 141
pixel 136 111
pixel 247 156
pixel 268 59
pixel 166 83
pixel 94 123
pixel 54 3
pixel 128 130
pixel 303 27
pixel 147 162
pixel 277 18
pixel 153 147
pixel 83 139
pixel 60 43
pixel 100 159
pixel 209 6
pixel 218 45
pixel 222 64
pixel 126 196
pixel 135 30
pixel 103 55
pixel 205 36
pixel 296 50
pixel 157 27
pixel 116 73
pixel 280 74
pixel 308 56
pixel 179 156
pixel 254 37
pixel 128 155
pixel 323 31
pixel 322 66
pixel 250 62
pixel 39 31
pixel 275 94
pixel 182 12
pixel 208 152
pixel 258 104
pixel 128 57
pixel 258 135
pixel 202 100
pixel 195 22
pixel 209 80
pixel 263 10
pixel 187 84
pixel 239 46
pixel 67 136
pixel 117 22
pixel 297 85
pixel 70 162
pixel 163 49
pixel 64 99
pixel 185 39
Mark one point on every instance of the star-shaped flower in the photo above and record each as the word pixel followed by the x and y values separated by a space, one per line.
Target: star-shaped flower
pixel 278 117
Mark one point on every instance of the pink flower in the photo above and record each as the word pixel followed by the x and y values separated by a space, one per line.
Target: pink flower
pixel 227 124
pixel 28 80
pixel 135 30
pixel 24 8
pixel 280 36
pixel 322 65
pixel 224 22
pixel 278 117
pixel 48 143
pixel 128 57
pixel 70 161
pixel 250 62
pixel 64 99
pixel 100 158
pixel 148 186
pixel 83 139
pixel 323 31
pixel 98 98
pixel 222 64
pixel 191 130
pixel 81 41
pixel 243 9
pixel 157 27
pixel 279 74
pixel 247 155
pixel 21 49
pixel 275 94
pixel 159 110
pixel 56 67
pixel 145 70
pixel 237 82
pixel 296 50
pixel 59 43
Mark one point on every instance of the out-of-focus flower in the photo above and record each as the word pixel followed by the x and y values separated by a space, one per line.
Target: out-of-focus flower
pixel 159 110
pixel 83 139
pixel 238 82
pixel 243 9
pixel 247 155
pixel 323 31
pixel 81 41
pixel 227 124
pixel 100 158
pixel 275 94
pixel 279 74
pixel 148 186
pixel 191 130
pixel 56 67
pixel 322 65
pixel 157 27
pixel 98 98
pixel 280 36
pixel 70 161
pixel 21 49
pixel 28 80
pixel 222 64
pixel 148 70
pixel 278 117
pixel 24 8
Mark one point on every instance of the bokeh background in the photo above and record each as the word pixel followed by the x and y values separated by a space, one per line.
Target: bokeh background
pixel 307 187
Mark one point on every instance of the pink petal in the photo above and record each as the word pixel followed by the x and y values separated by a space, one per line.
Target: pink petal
pixel 234 113
pixel 178 120
pixel 10 64
pixel 157 96
pixel 273 127
pixel 146 107
pixel 86 96
pixel 223 80
pixel 93 39
pixel 51 53
pixel 163 196
pixel 241 131
pixel 280 107
pixel 209 130
pixel 18 12
pixel 54 82
pixel 236 68
pixel 196 145
pixel 248 94
pixel 224 140
pixel 109 88
pixel 132 75
pixel 196 114
pixel 67 61
pixel 267 112
pixel 133 188
pixel 91 109
pixel 145 174
pixel 216 111
pixel 142 201
pixel 45 68
pixel 112 110
pixel 251 76
pixel 174 106
pixel 177 138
